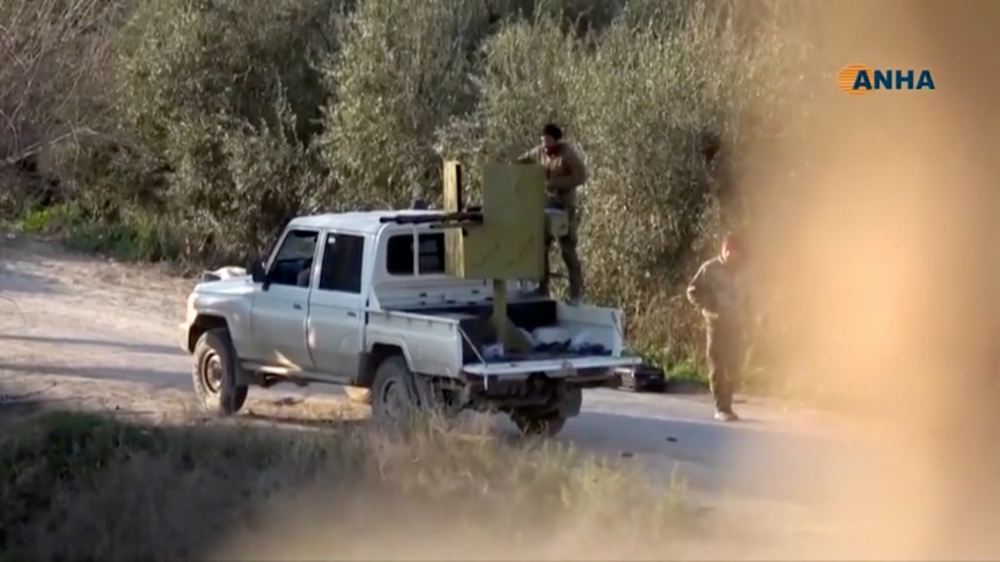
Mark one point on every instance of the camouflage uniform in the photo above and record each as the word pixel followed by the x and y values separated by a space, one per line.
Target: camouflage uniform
pixel 564 173
pixel 718 290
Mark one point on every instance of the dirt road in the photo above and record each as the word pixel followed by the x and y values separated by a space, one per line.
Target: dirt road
pixel 104 334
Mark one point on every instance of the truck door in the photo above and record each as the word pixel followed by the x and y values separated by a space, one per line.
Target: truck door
pixel 336 319
pixel 280 306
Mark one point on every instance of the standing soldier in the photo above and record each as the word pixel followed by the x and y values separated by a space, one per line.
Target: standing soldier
pixel 718 290
pixel 564 172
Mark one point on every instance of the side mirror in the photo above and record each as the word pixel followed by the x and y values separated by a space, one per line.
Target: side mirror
pixel 257 272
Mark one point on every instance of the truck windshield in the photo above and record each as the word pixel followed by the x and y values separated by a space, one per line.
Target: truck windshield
pixel 430 257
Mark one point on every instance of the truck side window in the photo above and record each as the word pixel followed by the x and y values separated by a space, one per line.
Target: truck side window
pixel 399 254
pixel 294 260
pixel 342 263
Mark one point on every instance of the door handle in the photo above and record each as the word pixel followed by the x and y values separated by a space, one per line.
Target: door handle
pixel 352 314
pixel 297 306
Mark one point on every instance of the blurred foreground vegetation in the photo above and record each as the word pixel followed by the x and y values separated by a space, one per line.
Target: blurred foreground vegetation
pixel 88 487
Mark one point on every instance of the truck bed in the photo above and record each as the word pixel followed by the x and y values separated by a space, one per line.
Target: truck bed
pixel 474 320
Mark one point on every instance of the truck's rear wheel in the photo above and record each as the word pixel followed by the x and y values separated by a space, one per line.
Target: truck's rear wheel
pixel 393 393
pixel 358 394
pixel 214 374
pixel 546 425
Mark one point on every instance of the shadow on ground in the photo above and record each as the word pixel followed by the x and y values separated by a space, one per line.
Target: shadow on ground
pixel 13 282
pixel 14 408
pixel 126 346
pixel 153 378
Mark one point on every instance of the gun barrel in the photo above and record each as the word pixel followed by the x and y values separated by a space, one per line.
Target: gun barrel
pixel 465 216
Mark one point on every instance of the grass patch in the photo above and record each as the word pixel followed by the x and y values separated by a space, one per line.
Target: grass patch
pixel 130 241
pixel 82 486
pixel 686 370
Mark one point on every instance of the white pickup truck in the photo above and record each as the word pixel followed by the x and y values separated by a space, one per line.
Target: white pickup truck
pixel 354 300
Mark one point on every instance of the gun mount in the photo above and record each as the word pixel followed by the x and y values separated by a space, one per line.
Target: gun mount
pixel 502 240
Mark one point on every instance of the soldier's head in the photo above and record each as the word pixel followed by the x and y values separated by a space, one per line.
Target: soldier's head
pixel 732 248
pixel 551 136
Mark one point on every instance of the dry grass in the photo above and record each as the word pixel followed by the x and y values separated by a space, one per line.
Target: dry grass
pixel 83 486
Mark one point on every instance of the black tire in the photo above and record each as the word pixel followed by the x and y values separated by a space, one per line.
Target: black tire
pixel 359 394
pixel 214 374
pixel 394 394
pixel 548 425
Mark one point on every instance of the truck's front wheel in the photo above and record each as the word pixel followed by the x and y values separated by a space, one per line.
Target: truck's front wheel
pixel 214 374
pixel 393 393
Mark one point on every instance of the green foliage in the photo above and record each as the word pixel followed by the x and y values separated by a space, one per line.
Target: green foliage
pixel 230 115
pixel 135 238
pixel 218 103
pixel 405 69
pixel 240 59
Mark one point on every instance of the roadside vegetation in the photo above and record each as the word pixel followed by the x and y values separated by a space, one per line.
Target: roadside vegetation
pixel 187 131
pixel 87 487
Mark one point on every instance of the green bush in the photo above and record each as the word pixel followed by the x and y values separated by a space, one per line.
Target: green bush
pixel 230 115
pixel 218 103
pixel 405 69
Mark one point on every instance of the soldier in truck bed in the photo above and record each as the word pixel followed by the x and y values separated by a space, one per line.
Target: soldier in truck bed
pixel 718 290
pixel 564 173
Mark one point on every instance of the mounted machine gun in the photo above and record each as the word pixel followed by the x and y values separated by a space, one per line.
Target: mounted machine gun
pixel 502 240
